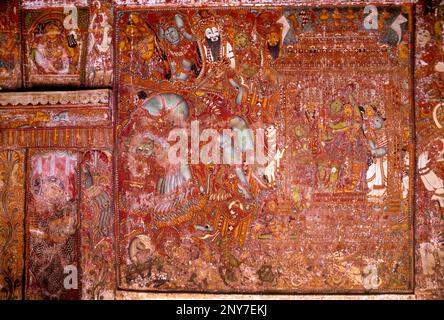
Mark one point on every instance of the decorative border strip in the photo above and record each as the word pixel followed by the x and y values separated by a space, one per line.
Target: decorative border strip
pixel 234 3
pixel 36 4
pixel 47 98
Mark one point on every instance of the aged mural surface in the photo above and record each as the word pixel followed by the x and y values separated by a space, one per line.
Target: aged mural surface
pixel 11 223
pixel 52 223
pixel 97 225
pixel 55 47
pixel 10 44
pixel 99 64
pixel 330 207
pixel 429 118
pixel 333 186
pixel 67 139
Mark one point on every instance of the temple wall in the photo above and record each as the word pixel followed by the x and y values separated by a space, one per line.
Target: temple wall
pixel 61 120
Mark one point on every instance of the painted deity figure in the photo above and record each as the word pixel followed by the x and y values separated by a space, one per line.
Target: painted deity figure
pixel 216 47
pixel 348 144
pixel 95 191
pixel 54 221
pixel 272 30
pixel 246 44
pixel 377 141
pixel 138 37
pixel 59 220
pixel 430 168
pixel 138 40
pixel 99 44
pixel 147 154
pixel 220 57
pixel 52 53
pixel 181 48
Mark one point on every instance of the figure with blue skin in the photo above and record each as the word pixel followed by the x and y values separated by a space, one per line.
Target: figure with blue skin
pixel 181 48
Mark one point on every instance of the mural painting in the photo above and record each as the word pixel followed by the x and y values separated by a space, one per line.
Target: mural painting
pixel 329 207
pixel 261 147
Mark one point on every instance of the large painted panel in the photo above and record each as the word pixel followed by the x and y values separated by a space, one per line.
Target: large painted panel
pixel 70 225
pixel 69 218
pixel 312 206
pixel 429 75
pixel 52 220
pixel 326 93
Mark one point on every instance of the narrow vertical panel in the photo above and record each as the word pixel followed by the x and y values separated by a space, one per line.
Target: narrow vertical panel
pixel 11 224
pixel 97 231
pixel 52 226
pixel 10 55
pixel 99 65
pixel 429 183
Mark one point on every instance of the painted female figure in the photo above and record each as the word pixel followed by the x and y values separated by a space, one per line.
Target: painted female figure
pixel 51 53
